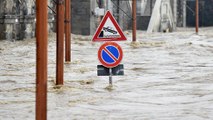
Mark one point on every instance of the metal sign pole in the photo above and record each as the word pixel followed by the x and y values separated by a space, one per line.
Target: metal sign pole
pixel 110 76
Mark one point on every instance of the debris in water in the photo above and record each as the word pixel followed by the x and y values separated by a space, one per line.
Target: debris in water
pixel 110 88
pixel 146 44
pixel 86 82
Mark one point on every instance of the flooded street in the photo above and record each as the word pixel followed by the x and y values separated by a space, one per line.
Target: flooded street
pixel 168 76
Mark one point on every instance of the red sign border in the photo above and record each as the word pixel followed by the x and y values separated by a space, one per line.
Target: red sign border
pixel 98 31
pixel 119 50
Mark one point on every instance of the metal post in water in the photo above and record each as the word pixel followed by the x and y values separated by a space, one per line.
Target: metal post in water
pixel 60 43
pixel 41 60
pixel 110 76
pixel 134 18
pixel 197 16
pixel 67 31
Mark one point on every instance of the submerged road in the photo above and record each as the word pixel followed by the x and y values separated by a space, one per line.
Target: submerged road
pixel 167 77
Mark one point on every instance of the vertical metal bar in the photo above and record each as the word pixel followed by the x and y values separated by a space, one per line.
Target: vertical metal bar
pixel 67 31
pixel 110 76
pixel 197 16
pixel 60 43
pixel 134 20
pixel 41 59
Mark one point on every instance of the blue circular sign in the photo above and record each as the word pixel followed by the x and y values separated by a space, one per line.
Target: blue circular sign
pixel 110 54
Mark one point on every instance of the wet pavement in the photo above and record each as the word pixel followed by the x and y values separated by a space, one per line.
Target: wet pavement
pixel 168 76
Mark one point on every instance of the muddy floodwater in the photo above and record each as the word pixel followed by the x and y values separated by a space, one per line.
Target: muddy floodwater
pixel 168 76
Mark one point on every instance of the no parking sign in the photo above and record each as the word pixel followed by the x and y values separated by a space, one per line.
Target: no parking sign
pixel 110 54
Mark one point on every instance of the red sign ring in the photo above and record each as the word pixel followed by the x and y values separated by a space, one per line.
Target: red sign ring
pixel 103 49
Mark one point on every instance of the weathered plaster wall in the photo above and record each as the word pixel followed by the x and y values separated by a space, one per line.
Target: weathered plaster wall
pixel 17 19
pixel 81 17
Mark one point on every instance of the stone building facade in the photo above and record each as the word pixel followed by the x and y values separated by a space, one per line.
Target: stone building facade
pixel 17 17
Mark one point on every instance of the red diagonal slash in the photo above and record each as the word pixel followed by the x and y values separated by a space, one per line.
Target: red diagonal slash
pixel 110 54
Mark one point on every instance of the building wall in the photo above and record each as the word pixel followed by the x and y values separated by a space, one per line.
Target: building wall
pixel 17 19
pixel 143 18
pixel 205 11
pixel 124 14
pixel 81 13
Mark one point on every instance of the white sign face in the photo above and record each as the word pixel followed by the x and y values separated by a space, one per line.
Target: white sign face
pixel 109 30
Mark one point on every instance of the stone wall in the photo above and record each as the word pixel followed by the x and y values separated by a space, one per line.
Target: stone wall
pixel 17 19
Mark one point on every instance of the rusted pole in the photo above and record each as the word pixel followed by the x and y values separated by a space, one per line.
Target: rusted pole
pixel 67 31
pixel 60 43
pixel 197 16
pixel 134 20
pixel 41 59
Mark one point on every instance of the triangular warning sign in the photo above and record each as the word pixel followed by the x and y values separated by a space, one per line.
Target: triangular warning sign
pixel 109 30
